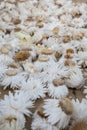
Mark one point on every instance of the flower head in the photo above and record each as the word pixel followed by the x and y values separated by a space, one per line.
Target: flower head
pixel 79 107
pixel 56 115
pixel 57 89
pixel 10 120
pixel 19 103
pixel 40 122
pixel 74 78
pixel 34 88
pixel 13 79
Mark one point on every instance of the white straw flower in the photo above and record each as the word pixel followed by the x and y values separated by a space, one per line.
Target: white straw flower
pixel 34 88
pixel 57 89
pixel 54 70
pixel 13 79
pixel 75 78
pixel 10 120
pixel 53 110
pixel 79 110
pixel 41 122
pixel 18 102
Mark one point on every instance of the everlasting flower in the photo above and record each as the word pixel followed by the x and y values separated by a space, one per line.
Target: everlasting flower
pixel 79 121
pixel 58 112
pixel 75 78
pixel 54 70
pixel 19 103
pixel 57 89
pixel 10 120
pixel 81 109
pixel 13 79
pixel 40 122
pixel 34 88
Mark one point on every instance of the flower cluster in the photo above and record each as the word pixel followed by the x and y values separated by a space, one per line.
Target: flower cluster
pixel 43 53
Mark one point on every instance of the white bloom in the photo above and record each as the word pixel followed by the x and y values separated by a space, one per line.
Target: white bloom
pixel 53 70
pixel 34 88
pixel 13 80
pixel 55 114
pixel 41 123
pixel 79 110
pixel 19 103
pixel 59 91
pixel 75 78
pixel 10 120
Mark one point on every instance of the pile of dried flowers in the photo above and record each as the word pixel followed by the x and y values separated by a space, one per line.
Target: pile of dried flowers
pixel 43 53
